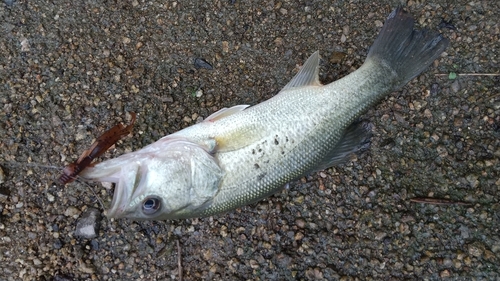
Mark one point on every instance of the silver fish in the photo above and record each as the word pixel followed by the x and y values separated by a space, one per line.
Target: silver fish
pixel 242 154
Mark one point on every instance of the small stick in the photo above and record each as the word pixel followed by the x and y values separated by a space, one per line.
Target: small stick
pixel 179 258
pixel 469 74
pixel 437 201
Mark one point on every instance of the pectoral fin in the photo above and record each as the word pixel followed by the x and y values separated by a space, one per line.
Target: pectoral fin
pixel 240 138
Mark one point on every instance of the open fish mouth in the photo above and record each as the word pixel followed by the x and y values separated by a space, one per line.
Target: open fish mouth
pixel 122 196
pixel 128 191
pixel 117 208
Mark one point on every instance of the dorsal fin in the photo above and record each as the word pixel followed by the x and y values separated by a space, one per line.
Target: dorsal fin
pixel 308 74
pixel 224 112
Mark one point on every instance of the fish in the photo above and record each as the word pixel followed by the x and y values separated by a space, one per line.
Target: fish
pixel 242 154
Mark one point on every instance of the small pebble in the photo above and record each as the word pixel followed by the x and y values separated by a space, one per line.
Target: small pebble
pixel 57 244
pixel 9 2
pixel 88 225
pixel 476 249
pixel 300 222
pixel 72 212
pixel 2 176
pixel 445 273
pixel 455 86
pixel 202 63
pixel 50 197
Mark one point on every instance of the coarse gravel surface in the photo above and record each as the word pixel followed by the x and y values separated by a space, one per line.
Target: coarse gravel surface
pixel 70 70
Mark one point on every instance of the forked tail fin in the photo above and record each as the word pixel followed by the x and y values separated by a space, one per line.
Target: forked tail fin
pixel 405 50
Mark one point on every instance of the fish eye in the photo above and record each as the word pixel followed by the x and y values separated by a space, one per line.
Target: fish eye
pixel 151 205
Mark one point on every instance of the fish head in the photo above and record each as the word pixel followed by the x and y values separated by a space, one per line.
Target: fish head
pixel 170 179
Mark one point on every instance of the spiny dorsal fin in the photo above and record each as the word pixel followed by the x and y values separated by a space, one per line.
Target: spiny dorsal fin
pixel 308 74
pixel 224 112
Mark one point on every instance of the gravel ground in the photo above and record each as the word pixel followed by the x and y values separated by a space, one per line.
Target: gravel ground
pixel 69 70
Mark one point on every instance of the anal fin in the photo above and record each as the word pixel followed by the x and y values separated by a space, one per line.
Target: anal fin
pixel 356 137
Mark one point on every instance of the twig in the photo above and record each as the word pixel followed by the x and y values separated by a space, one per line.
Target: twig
pixel 179 258
pixel 437 201
pixel 469 74
pixel 35 165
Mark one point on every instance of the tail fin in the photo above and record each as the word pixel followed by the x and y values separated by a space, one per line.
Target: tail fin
pixel 405 50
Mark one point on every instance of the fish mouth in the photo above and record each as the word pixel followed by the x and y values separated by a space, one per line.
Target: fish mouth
pixel 126 173
pixel 117 209
pixel 127 193
pixel 119 204
pixel 111 174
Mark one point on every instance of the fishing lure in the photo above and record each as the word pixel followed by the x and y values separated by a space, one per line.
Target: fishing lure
pixel 101 145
